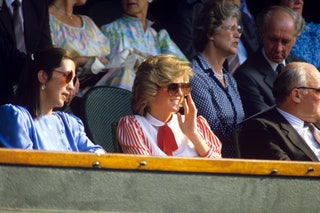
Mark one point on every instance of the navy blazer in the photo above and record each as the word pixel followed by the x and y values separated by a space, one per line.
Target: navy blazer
pixel 269 135
pixel 36 24
pixel 255 78
pixel 37 36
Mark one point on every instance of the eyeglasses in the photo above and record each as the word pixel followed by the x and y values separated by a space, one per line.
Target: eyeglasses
pixel 233 28
pixel 67 75
pixel 317 90
pixel 294 1
pixel 173 88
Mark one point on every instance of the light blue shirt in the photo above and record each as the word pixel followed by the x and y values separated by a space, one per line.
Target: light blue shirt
pixel 242 52
pixel 56 132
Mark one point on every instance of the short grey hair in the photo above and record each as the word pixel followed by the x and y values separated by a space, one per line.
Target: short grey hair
pixel 292 76
pixel 264 17
pixel 208 17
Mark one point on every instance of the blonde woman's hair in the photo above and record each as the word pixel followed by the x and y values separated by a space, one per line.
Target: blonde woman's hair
pixel 156 72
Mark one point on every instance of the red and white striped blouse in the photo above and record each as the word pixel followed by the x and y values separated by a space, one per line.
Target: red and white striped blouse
pixel 138 135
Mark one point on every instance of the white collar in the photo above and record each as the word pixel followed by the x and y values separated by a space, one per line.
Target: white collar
pixel 155 122
pixel 272 64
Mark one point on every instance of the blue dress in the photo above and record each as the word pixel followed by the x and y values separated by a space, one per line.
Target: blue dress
pixel 307 45
pixel 57 132
pixel 221 106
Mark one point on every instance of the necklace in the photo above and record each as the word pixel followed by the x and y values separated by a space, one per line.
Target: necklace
pixel 219 76
pixel 63 13
pixel 211 72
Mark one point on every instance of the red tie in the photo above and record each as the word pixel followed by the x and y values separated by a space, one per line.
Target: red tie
pixel 166 140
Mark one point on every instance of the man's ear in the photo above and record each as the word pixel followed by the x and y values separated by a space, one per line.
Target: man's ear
pixel 296 95
pixel 42 77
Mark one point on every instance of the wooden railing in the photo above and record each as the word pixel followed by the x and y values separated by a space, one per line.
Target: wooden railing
pixel 39 181
pixel 149 163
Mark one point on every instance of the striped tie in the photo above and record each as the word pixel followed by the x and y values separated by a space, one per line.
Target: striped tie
pixel 315 132
pixel 233 63
pixel 17 23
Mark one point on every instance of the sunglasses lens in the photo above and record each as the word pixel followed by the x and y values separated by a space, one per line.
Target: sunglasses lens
pixel 75 80
pixel 174 88
pixel 69 77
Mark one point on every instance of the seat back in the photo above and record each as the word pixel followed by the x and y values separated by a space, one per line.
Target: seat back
pixel 103 106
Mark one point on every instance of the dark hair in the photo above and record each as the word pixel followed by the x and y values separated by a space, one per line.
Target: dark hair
pixel 208 17
pixel 28 91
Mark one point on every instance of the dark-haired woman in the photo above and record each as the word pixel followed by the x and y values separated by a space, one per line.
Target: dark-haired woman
pixel 31 123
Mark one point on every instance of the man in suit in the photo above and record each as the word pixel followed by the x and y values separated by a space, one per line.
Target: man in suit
pixel 279 28
pixel 36 35
pixel 285 132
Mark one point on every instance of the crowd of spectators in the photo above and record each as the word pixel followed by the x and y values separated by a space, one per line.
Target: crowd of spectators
pixel 204 68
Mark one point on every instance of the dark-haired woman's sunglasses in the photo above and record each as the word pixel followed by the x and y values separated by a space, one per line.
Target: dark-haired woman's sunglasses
pixel 67 75
pixel 173 88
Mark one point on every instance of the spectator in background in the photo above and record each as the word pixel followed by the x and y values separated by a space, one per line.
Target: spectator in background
pixel 307 45
pixel 79 35
pixel 133 30
pixel 35 35
pixel 285 132
pixel 216 34
pixel 176 17
pixel 31 123
pixel 279 28
pixel 248 42
pixel 160 88
pixel 178 21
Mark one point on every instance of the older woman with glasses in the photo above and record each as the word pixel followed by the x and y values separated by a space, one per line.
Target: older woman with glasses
pixel 160 88
pixel 31 123
pixel 216 35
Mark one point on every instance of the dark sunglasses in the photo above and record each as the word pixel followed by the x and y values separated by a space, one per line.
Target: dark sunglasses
pixel 67 75
pixel 173 88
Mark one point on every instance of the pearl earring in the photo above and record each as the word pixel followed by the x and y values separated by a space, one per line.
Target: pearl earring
pixel 43 87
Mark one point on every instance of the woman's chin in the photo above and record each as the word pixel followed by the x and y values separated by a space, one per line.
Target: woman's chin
pixel 60 104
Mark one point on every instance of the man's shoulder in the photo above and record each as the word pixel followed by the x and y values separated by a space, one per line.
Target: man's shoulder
pixel 269 115
pixel 252 63
pixel 293 58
